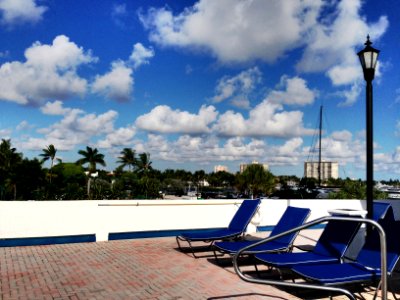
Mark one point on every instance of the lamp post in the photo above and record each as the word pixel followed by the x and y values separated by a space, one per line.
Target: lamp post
pixel 368 59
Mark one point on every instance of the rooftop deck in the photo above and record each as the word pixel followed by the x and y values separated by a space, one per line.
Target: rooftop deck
pixel 124 269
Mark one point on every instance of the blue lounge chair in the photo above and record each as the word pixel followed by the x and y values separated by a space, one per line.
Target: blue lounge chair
pixel 236 228
pixel 366 267
pixel 291 218
pixel 332 244
pixel 382 210
pixel 330 247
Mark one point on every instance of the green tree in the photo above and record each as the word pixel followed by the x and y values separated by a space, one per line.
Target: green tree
pixel 198 179
pixel 92 157
pixel 49 153
pixel 30 179
pixel 148 187
pixel 128 159
pixel 144 163
pixel 355 189
pixel 125 185
pixel 68 182
pixel 9 159
pixel 221 179
pixel 256 180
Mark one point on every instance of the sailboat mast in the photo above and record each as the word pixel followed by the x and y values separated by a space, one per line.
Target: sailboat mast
pixel 320 147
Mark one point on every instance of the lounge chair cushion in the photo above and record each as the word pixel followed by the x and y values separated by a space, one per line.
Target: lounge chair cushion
pixel 287 260
pixel 330 247
pixel 211 235
pixel 337 273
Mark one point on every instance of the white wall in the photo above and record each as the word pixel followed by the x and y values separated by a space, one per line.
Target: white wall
pixel 57 218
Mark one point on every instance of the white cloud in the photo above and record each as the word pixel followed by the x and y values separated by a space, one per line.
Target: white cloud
pixel 343 147
pixel 140 55
pixel 24 125
pixel 290 153
pixel 396 155
pixel 238 149
pixel 341 75
pixel 350 94
pixel 295 92
pixel 235 30
pixel 290 147
pixel 343 135
pixel 120 137
pixel 116 84
pixel 165 120
pixel 209 149
pixel 387 162
pixel 237 88
pixel 5 133
pixel 75 128
pixel 49 72
pixel 20 11
pixel 54 108
pixel 332 47
pixel 203 150
pixel 268 118
pixel 238 31
pixel 331 43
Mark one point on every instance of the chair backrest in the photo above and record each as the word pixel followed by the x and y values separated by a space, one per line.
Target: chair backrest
pixel 244 215
pixel 382 210
pixel 370 253
pixel 336 238
pixel 291 218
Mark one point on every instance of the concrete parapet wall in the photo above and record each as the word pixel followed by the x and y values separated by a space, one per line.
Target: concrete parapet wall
pixel 23 219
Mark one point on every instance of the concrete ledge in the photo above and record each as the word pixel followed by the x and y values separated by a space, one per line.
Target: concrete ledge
pixel 48 240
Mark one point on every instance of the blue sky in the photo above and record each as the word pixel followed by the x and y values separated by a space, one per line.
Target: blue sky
pixel 200 83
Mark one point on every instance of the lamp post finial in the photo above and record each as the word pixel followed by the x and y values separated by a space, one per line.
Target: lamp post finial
pixel 368 42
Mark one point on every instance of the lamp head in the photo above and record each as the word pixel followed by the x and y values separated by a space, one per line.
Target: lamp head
pixel 368 59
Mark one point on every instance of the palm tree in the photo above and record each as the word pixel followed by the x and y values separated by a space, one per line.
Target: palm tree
pixel 92 157
pixel 49 153
pixel 128 158
pixel 144 163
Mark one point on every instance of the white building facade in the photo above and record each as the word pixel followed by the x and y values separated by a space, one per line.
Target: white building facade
pixel 329 169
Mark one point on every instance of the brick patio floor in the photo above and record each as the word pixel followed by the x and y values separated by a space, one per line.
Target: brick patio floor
pixel 125 269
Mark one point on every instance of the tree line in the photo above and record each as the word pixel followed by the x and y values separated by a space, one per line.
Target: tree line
pixel 22 178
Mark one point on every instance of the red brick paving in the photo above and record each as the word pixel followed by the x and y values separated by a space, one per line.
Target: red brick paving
pixel 125 269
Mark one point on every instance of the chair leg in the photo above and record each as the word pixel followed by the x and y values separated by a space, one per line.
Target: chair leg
pixel 179 244
pixel 377 290
pixel 392 291
pixel 216 255
pixel 178 239
pixel 257 271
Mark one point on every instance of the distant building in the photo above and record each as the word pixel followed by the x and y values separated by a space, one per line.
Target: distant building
pixel 329 169
pixel 220 168
pixel 243 166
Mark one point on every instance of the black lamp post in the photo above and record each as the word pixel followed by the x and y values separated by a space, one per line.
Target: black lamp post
pixel 368 58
